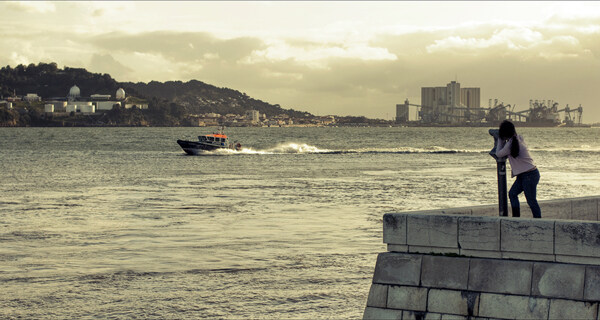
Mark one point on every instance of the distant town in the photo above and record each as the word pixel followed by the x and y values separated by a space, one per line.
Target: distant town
pixel 450 105
pixel 45 95
pixel 95 108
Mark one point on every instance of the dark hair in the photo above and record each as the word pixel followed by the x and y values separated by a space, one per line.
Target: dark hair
pixel 507 131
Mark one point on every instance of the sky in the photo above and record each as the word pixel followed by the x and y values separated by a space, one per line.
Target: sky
pixel 343 58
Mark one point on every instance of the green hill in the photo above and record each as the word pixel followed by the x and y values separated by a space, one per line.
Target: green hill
pixel 170 103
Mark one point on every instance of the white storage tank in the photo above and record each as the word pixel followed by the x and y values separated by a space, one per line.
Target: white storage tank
pixel 120 94
pixel 105 105
pixel 48 108
pixel 74 93
pixel 71 108
pixel 87 108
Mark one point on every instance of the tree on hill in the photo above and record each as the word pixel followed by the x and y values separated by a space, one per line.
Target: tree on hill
pixel 169 102
pixel 47 80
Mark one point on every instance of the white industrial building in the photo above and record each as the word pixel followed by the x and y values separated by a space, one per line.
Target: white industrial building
pixel 100 102
pixel 86 108
pixel 448 104
pixel 137 105
pixel 253 115
pixel 100 97
pixel 83 107
pixel 120 94
pixel 71 108
pixel 106 105
pixel 32 97
pixel 74 93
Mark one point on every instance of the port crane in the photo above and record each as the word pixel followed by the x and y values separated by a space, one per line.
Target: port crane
pixel 540 112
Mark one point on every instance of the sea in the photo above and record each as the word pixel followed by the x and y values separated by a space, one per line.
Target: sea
pixel 119 223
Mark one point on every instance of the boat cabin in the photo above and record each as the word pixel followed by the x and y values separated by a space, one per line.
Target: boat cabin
pixel 214 139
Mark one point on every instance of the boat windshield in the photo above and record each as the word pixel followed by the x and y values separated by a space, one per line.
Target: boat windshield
pixel 213 138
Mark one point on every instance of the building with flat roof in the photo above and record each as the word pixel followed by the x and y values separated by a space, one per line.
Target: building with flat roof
pixel 449 104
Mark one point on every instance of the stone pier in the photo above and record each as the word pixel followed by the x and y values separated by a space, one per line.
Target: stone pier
pixel 468 263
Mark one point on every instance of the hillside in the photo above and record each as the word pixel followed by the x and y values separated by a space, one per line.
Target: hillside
pixel 169 103
pixel 47 80
pixel 198 97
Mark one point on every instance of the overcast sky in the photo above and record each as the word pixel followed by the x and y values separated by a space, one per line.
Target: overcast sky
pixel 344 58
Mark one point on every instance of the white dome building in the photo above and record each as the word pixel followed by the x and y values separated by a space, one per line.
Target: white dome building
pixel 74 93
pixel 120 94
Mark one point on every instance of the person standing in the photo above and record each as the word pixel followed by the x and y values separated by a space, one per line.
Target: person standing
pixel 521 165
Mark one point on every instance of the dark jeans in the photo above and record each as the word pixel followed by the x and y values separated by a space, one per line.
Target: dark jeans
pixel 527 182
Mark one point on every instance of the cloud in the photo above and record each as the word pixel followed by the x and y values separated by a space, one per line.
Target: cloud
pixel 179 46
pixel 316 56
pixel 514 39
pixel 98 13
pixel 105 63
pixel 369 78
pixel 344 70
pixel 31 6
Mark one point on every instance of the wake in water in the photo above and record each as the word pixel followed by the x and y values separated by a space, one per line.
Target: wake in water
pixel 303 148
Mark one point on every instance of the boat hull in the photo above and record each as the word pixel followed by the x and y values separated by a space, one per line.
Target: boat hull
pixel 193 147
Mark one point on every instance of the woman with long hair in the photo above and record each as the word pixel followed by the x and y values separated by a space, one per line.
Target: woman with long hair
pixel 521 165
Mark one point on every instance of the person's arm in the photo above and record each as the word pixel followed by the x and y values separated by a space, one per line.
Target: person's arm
pixel 503 149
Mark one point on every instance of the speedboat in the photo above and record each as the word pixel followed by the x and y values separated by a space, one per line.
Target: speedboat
pixel 209 142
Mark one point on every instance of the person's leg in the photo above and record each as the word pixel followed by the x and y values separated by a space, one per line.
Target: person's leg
pixel 513 195
pixel 530 182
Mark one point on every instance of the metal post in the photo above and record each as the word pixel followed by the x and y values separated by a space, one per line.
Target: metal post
pixel 501 171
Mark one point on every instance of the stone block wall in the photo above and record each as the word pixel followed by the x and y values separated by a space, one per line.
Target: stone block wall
pixel 467 263
pixel 583 208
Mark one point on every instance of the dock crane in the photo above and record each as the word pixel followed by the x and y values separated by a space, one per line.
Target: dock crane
pixel 539 112
pixel 572 119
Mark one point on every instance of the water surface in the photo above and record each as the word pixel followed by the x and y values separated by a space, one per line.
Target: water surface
pixel 120 223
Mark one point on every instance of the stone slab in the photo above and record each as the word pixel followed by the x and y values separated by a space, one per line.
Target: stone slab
pixel 556 209
pixel 512 307
pixel 528 256
pixel 457 211
pixel 464 303
pixel 485 211
pixel 381 314
pixel 500 276
pixel 433 316
pixel 592 283
pixel 407 298
pixel 454 317
pixel 579 260
pixel 558 280
pixel 397 248
pixel 481 253
pixel 584 209
pixel 433 250
pixel 479 233
pixel 577 238
pixel 445 272
pixel 397 268
pixel 567 309
pixel 527 235
pixel 413 315
pixel 378 296
pixel 432 230
pixel 394 228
